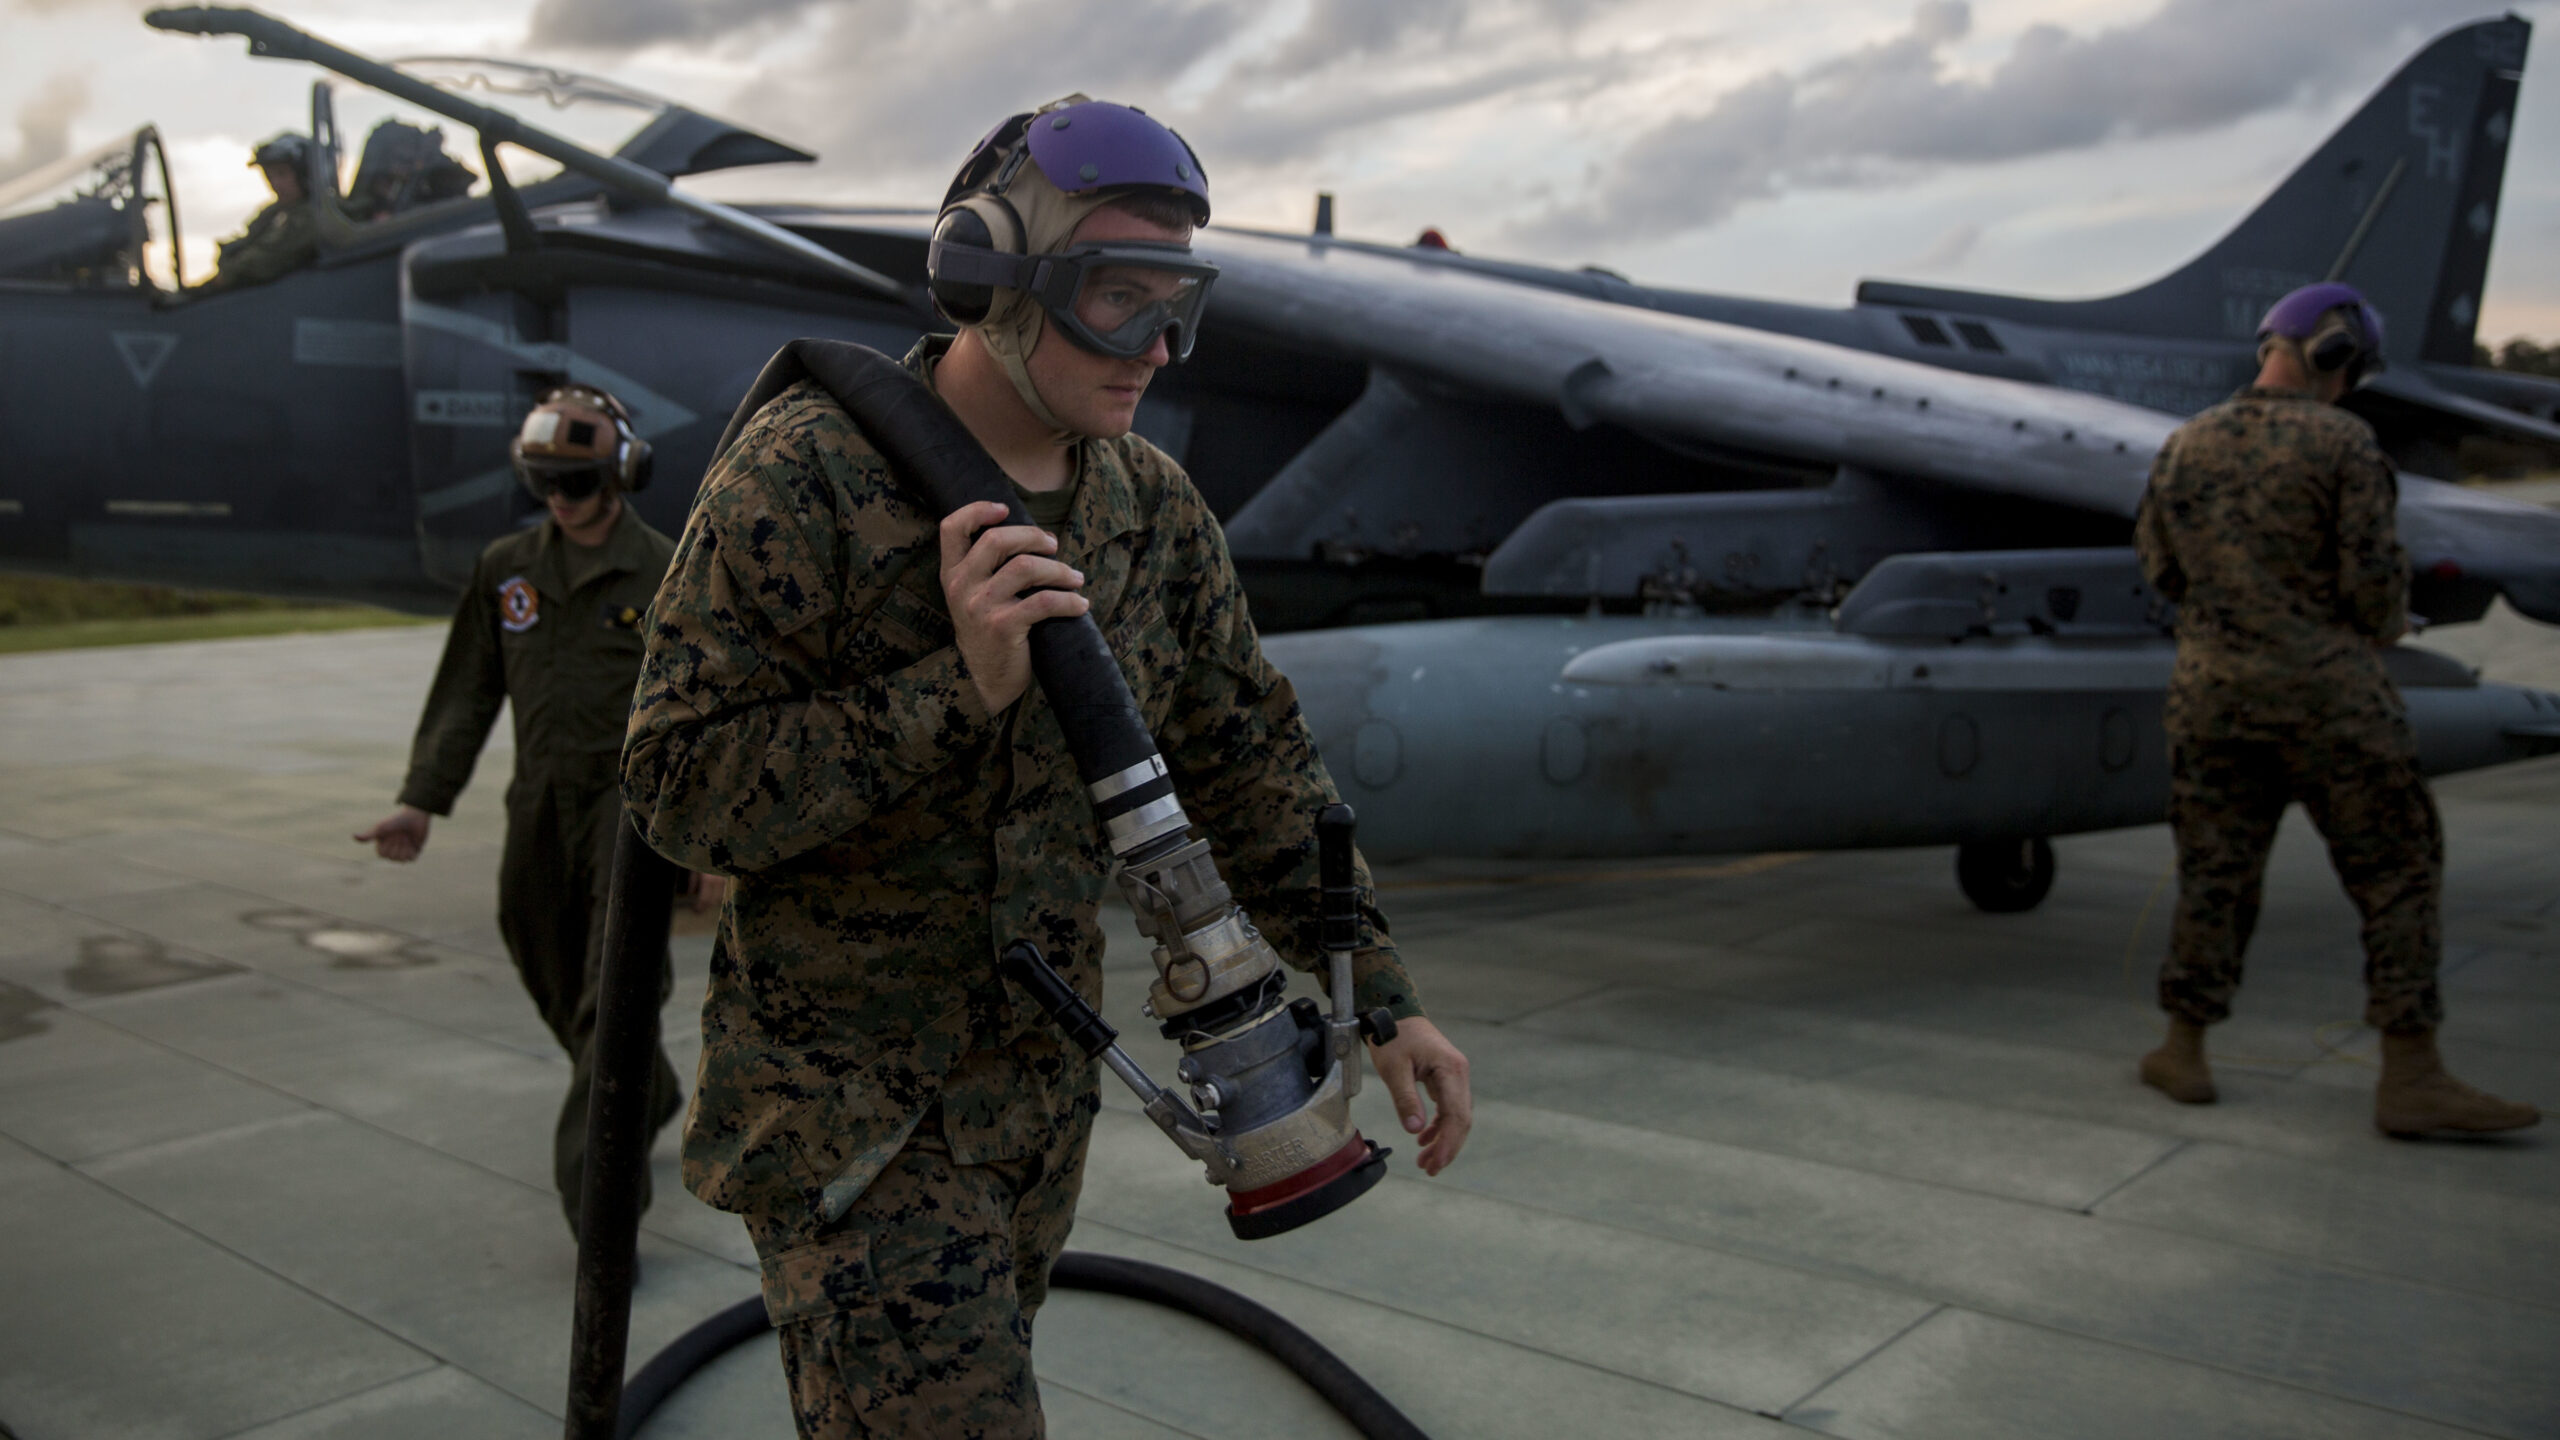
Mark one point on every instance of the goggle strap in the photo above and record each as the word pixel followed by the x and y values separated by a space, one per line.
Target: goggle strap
pixel 977 265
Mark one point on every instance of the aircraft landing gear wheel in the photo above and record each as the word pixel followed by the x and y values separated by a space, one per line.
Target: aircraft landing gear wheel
pixel 2005 877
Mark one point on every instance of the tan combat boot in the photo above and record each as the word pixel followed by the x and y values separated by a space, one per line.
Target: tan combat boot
pixel 2177 1068
pixel 2416 1095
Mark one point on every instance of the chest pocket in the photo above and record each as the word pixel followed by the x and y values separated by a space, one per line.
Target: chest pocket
pixel 904 626
pixel 1151 656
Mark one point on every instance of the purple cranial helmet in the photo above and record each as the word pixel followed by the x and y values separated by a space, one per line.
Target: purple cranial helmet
pixel 2352 341
pixel 1004 240
pixel 1101 146
pixel 1086 146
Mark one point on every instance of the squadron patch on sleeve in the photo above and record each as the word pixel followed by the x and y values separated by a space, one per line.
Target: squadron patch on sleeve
pixel 519 605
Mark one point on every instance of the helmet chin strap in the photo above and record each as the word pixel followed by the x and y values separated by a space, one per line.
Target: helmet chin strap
pixel 1012 344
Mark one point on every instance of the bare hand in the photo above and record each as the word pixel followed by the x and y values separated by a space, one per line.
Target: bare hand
pixel 704 892
pixel 399 836
pixel 986 584
pixel 1421 1052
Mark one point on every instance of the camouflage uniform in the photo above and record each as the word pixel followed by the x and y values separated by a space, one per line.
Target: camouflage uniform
pixel 556 629
pixel 2269 519
pixel 280 240
pixel 905 1135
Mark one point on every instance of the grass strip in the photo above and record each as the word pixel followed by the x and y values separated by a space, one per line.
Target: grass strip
pixel 171 629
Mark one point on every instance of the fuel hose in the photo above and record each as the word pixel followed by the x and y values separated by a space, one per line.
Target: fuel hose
pixel 934 453
pixel 1359 1402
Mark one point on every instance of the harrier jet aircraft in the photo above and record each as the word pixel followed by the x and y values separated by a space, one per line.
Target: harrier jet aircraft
pixel 1961 650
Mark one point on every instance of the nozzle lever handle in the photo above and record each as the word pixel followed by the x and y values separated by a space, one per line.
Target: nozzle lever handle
pixel 1024 965
pixel 1339 907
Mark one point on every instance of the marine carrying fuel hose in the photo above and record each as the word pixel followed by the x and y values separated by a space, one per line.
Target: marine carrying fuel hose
pixel 932 451
pixel 937 456
pixel 1369 1412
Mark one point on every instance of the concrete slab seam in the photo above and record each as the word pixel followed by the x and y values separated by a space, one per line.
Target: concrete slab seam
pixel 1896 1338
pixel 262 1268
pixel 356 1120
pixel 1115 1406
pixel 2164 1157
pixel 1426 1317
pixel 1894 1176
pixel 1893 1286
pixel 355 1394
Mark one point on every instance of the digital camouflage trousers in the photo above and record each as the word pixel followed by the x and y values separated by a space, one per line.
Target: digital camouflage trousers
pixel 911 1315
pixel 2370 804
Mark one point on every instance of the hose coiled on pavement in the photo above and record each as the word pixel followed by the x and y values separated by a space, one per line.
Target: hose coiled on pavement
pixel 1369 1412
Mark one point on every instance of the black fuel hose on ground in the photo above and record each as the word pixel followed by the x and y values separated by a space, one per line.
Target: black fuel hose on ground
pixel 651 1384
pixel 1369 1412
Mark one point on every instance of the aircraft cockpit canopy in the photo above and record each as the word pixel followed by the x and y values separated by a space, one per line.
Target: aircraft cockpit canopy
pixel 98 219
pixel 106 219
pixel 603 115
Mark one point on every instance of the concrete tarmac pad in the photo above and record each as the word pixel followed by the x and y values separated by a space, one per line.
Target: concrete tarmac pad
pixel 1765 1145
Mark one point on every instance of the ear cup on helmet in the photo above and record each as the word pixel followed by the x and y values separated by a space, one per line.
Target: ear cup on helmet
pixel 638 460
pixel 2339 346
pixel 986 222
pixel 960 303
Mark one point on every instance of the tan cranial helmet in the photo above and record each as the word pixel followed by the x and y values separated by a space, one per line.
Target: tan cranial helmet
pixel 576 439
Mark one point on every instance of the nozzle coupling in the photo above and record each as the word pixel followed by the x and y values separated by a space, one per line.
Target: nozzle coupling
pixel 1271 1080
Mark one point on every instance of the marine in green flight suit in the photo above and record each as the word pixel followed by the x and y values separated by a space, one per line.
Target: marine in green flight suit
pixel 552 623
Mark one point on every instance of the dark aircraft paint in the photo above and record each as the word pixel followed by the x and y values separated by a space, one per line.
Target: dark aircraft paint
pixel 1388 434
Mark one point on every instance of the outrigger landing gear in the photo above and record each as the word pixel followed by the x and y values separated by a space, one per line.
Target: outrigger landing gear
pixel 2005 877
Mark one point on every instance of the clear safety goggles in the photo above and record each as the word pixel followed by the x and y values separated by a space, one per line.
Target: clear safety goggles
pixel 1110 299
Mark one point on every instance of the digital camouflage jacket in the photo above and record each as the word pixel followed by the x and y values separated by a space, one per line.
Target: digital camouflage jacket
pixel 805 725
pixel 2269 520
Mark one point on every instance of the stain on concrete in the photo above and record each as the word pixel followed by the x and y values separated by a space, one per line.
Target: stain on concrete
pixel 19 1008
pixel 120 964
pixel 349 947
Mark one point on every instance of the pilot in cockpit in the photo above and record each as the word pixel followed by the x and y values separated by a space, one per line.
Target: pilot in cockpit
pixel 281 238
pixel 404 167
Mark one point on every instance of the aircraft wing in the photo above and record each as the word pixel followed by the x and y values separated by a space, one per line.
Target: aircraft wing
pixel 2420 389
pixel 1677 379
pixel 1688 383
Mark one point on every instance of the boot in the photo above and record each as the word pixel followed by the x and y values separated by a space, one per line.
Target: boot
pixel 2177 1068
pixel 2416 1095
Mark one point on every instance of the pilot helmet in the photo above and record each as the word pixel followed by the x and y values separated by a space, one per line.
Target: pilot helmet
pixel 2331 326
pixel 576 440
pixel 288 150
pixel 1001 259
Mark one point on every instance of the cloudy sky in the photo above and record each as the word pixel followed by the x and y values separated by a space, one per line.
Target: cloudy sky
pixel 1764 147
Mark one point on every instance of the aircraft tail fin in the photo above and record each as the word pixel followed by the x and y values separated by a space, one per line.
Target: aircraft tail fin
pixel 2400 202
